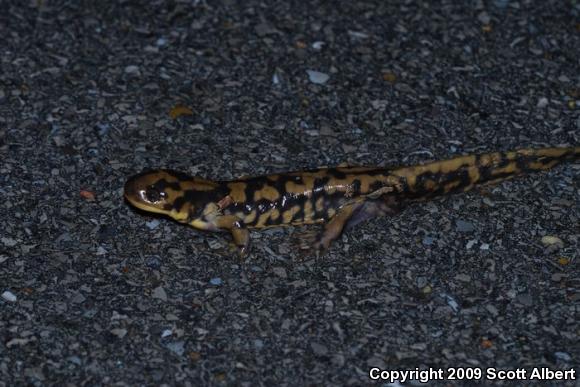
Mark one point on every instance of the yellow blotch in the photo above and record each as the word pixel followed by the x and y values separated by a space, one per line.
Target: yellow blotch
pixel 451 165
pixel 490 159
pixel 298 189
pixel 319 205
pixel 308 213
pixel 553 152
pixel 409 174
pixel 200 224
pixel 172 194
pixel 365 183
pixel 542 166
pixel 474 174
pixel 237 191
pixel 262 219
pixel 510 168
pixel 453 184
pixel 197 184
pixel 268 192
pixel 288 215
pixel 321 172
pixel 250 217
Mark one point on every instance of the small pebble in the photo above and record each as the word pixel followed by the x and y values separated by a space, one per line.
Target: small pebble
pixel 75 360
pixel 132 70
pixel 153 224
pixel 428 241
pixel 470 244
pixel 358 35
pixel 9 296
pixel 258 344
pixel 9 242
pixel 280 272
pixel 484 18
pixel 159 293
pixel 317 45
pixel 542 102
pixel 103 129
pixel 177 347
pixel 451 302
pixel 492 310
pixel 525 299
pixel 119 332
pixel 153 262
pixel 215 281
pixel 319 349
pixel 317 77
pixel 463 226
pixel 563 356
pixel 550 240
pixel 501 3
pixel 463 277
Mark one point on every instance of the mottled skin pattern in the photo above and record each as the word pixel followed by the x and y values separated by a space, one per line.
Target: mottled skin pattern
pixel 338 197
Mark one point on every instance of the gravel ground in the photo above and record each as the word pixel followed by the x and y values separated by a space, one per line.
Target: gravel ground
pixel 94 293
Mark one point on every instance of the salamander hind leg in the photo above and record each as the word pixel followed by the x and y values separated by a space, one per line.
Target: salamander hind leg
pixel 373 208
pixel 334 227
pixel 351 215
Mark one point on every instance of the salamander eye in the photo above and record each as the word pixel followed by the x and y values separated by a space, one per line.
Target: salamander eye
pixel 154 195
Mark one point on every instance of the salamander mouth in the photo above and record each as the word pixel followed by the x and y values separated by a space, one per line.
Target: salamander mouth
pixel 134 188
pixel 133 191
pixel 136 193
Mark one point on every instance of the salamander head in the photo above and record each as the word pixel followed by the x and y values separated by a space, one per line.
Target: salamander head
pixel 171 193
pixel 153 191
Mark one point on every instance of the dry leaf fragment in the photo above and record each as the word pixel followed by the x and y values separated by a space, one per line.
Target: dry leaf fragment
pixel 389 77
pixel 563 261
pixel 87 195
pixel 180 110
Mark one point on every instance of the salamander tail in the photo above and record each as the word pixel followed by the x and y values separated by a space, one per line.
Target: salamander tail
pixel 464 172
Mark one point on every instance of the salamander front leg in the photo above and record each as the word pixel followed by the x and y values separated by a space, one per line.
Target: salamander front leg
pixel 240 234
pixel 241 237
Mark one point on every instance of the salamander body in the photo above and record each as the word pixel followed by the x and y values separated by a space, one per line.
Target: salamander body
pixel 337 197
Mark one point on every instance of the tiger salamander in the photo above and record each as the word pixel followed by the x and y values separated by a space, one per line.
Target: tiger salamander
pixel 339 197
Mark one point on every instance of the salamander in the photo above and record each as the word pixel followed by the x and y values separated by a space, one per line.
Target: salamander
pixel 339 197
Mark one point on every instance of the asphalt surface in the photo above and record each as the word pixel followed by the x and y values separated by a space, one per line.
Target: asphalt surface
pixel 95 293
